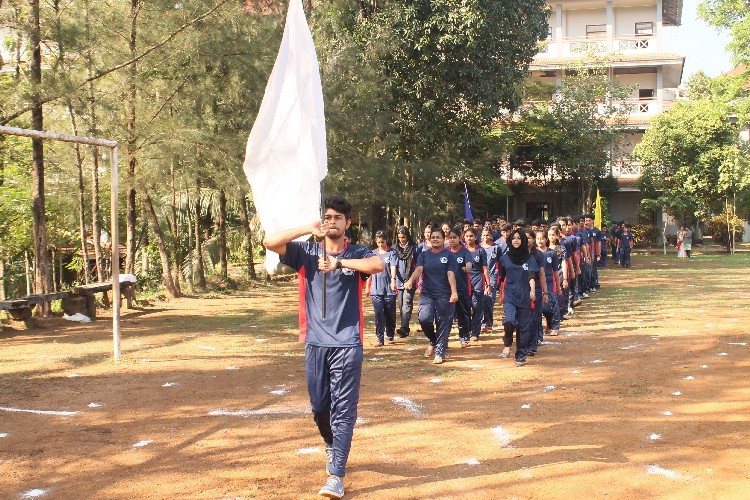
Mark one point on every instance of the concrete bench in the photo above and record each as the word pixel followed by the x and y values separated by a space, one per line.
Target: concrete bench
pixel 82 298
pixel 21 310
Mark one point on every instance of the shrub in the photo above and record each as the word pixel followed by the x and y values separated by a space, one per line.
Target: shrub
pixel 646 234
pixel 717 226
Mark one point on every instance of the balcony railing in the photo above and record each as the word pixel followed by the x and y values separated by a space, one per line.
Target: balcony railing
pixel 627 168
pixel 578 46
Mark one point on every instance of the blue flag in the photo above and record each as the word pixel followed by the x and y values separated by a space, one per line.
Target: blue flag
pixel 467 206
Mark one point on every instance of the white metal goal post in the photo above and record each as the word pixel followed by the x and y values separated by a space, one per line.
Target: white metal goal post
pixel 112 145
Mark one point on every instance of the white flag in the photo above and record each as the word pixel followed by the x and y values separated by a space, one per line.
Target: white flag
pixel 286 157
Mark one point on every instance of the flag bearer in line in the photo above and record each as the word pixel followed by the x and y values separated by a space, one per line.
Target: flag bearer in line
pixel 333 341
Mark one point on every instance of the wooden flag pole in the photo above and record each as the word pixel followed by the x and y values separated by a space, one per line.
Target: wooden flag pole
pixel 323 248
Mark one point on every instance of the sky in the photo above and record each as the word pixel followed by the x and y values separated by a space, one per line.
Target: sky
pixel 702 46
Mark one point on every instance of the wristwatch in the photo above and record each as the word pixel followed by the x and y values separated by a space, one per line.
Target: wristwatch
pixel 338 263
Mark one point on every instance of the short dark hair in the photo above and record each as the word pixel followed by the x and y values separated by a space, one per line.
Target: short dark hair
pixel 339 204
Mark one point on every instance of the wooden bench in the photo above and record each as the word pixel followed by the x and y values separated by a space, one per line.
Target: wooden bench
pixel 82 298
pixel 21 310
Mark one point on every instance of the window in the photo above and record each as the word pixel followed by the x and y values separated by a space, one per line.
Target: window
pixel 646 28
pixel 596 29
pixel 645 93
pixel 538 210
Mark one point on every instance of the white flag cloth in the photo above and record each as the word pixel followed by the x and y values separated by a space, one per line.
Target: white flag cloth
pixel 286 155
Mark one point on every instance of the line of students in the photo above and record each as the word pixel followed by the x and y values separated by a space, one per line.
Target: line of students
pixel 541 270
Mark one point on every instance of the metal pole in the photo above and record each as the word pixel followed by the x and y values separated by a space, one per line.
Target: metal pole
pixel 115 254
pixel 325 253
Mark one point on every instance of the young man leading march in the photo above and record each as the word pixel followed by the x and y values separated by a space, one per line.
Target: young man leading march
pixel 333 341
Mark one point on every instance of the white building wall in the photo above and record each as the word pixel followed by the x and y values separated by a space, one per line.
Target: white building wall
pixel 643 81
pixel 626 17
pixel 575 21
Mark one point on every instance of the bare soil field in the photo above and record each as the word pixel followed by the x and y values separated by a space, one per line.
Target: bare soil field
pixel 645 394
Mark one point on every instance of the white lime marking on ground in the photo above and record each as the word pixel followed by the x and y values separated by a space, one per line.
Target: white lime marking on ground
pixel 704 366
pixel 684 330
pixel 655 469
pixel 526 406
pixel 576 372
pixel 723 354
pixel 359 421
pixel 676 393
pixel 280 392
pixel 142 443
pixel 169 384
pixel 308 451
pixel 472 461
pixel 551 342
pixel 628 347
pixel 502 435
pixel 233 368
pixel 435 380
pixel 597 361
pixel 709 325
pixel 73 375
pixel 260 341
pixel 474 367
pixel 655 437
pixel 3 434
pixel 737 343
pixel 375 359
pixel 689 377
pixel 411 406
pixel 40 412
pixel 548 388
pixel 35 493
pixel 667 413
pixel 208 348
pixel 253 326
pixel 263 411
pixel 94 405
pixel 411 349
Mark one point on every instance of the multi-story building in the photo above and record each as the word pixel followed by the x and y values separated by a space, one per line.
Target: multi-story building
pixel 630 34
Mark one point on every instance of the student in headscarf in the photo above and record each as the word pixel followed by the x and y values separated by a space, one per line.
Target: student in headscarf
pixel 517 275
pixel 407 254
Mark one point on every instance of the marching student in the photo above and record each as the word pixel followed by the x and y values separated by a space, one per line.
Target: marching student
pixel 381 287
pixel 550 309
pixel 479 278
pixel 333 341
pixel 595 239
pixel 517 272
pixel 625 245
pixel 537 335
pixel 493 254
pixel 463 285
pixel 562 272
pixel 406 253
pixel 438 268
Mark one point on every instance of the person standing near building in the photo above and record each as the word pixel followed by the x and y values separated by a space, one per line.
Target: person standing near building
pixel 687 241
pixel 333 338
pixel 626 244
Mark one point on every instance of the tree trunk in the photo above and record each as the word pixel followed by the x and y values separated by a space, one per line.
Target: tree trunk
pixel 39 217
pixel 81 198
pixel 130 205
pixel 223 232
pixel 248 235
pixel 176 254
pixel 199 241
pixel 166 272
pixel 2 279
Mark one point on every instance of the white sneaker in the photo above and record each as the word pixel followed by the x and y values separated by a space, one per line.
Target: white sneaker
pixel 334 488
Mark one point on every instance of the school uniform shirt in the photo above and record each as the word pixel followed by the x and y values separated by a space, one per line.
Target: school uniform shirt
pixel 626 240
pixel 435 272
pixel 478 263
pixel 502 245
pixel 343 325
pixel 569 243
pixel 515 278
pixel 463 257
pixel 596 236
pixel 380 283
pixel 538 256
pixel 493 254
pixel 551 265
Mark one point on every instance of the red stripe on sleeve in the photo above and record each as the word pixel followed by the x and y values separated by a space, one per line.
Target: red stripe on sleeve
pixel 302 289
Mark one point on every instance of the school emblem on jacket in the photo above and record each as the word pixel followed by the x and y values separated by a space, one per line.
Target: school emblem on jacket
pixel 443 260
pixel 476 257
pixel 460 260
pixel 526 267
pixel 549 260
pixel 347 271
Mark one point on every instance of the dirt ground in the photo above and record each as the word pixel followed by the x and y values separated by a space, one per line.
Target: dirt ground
pixel 645 394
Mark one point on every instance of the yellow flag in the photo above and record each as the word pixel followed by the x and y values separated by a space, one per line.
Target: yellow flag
pixel 598 210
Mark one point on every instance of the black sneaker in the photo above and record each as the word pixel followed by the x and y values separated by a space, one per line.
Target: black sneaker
pixel 401 333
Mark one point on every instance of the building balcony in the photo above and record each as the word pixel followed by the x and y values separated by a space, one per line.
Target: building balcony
pixel 583 46
pixel 626 169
